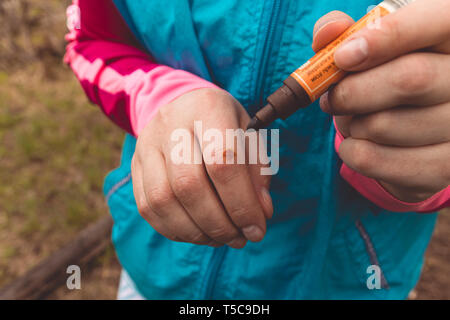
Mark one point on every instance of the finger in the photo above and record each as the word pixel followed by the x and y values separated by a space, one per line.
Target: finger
pixel 419 25
pixel 142 204
pixel 232 181
pixel 425 168
pixel 419 79
pixel 260 166
pixel 404 126
pixel 260 171
pixel 195 192
pixel 329 27
pixel 163 202
pixel 237 193
pixel 343 124
pixel 261 184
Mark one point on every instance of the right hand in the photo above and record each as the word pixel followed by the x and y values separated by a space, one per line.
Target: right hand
pixel 209 204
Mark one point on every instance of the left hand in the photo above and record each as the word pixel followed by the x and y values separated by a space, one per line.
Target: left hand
pixel 394 108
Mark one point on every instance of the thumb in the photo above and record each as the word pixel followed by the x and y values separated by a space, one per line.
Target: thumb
pixel 329 27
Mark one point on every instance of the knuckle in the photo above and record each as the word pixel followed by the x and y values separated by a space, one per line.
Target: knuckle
pixel 377 125
pixel 186 186
pixel 414 77
pixel 159 198
pixel 339 97
pixel 222 172
pixel 362 157
pixel 242 215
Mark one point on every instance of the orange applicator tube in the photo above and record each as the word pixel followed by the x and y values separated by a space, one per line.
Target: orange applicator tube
pixel 306 84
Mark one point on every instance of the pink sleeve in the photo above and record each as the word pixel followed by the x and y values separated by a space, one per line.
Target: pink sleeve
pixel 373 191
pixel 115 71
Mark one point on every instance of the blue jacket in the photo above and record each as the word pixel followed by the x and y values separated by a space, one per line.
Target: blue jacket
pixel 323 235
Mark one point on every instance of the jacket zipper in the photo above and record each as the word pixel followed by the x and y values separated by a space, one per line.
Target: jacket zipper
pixel 213 269
pixel 219 253
pixel 267 51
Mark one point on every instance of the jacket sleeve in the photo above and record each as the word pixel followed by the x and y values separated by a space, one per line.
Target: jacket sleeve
pixel 372 190
pixel 115 71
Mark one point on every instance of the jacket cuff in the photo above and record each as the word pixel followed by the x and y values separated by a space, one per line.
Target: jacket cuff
pixel 162 86
pixel 373 191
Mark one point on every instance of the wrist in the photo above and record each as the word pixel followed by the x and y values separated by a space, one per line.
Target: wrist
pixel 160 88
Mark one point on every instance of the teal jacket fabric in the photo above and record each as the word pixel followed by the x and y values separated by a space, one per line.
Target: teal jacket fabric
pixel 324 235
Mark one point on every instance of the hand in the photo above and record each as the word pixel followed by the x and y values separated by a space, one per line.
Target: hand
pixel 394 108
pixel 211 204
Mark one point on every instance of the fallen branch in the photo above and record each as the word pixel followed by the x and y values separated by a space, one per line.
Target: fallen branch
pixel 51 273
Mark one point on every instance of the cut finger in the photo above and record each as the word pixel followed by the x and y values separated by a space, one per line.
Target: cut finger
pixel 194 191
pixel 231 179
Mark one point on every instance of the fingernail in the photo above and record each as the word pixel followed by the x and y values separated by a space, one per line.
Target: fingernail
pixel 319 26
pixel 267 200
pixel 237 243
pixel 253 233
pixel 325 103
pixel 352 53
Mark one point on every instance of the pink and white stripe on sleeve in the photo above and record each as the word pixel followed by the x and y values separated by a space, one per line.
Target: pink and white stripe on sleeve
pixel 115 71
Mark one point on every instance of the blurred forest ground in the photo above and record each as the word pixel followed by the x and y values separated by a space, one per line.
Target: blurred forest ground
pixel 56 148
